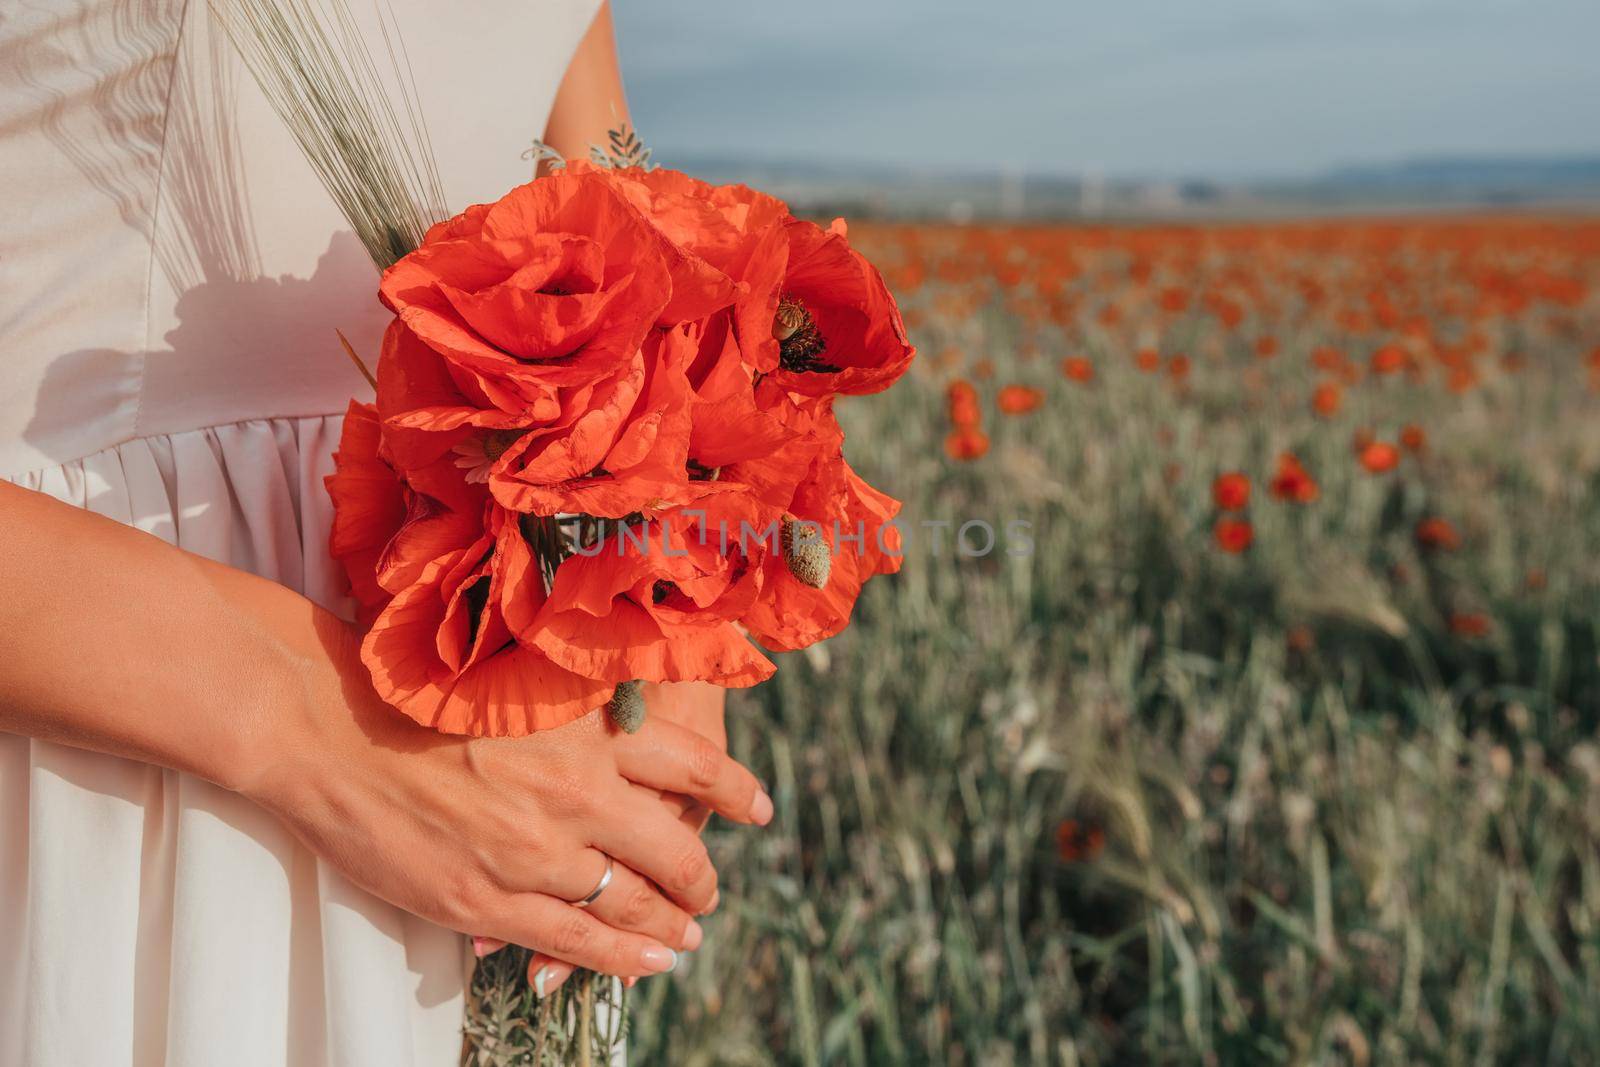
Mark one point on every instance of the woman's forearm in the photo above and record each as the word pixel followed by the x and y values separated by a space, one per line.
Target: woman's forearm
pixel 590 100
pixel 116 641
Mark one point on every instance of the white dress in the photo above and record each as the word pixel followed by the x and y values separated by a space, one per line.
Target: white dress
pixel 171 275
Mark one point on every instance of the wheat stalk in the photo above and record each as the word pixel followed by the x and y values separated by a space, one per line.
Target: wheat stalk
pixel 374 157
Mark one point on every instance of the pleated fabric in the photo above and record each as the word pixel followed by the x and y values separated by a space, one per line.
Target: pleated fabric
pixel 148 917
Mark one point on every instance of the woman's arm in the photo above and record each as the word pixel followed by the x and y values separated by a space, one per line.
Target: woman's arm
pixel 590 100
pixel 118 642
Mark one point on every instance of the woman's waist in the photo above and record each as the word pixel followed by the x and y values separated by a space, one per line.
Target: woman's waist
pixel 93 401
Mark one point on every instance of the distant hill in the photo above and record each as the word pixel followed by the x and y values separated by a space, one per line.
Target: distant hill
pixel 1474 172
pixel 1435 183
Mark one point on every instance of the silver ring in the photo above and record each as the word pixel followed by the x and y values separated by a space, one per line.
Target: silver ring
pixel 594 895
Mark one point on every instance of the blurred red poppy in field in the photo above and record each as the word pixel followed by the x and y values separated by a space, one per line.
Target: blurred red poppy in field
pixel 1231 491
pixel 967 443
pixel 1174 299
pixel 1293 483
pixel 1380 457
pixel 1077 842
pixel 1326 400
pixel 1077 369
pixel 1148 360
pixel 1327 358
pixel 1266 347
pixel 961 398
pixel 1462 379
pixel 1388 359
pixel 1233 535
pixel 1413 438
pixel 1019 399
pixel 1438 533
pixel 1470 624
pixel 1179 367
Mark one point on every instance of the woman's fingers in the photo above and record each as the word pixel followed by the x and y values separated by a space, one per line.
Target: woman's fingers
pixel 672 759
pixel 631 903
pixel 627 902
pixel 546 974
pixel 486 946
pixel 640 832
pixel 559 930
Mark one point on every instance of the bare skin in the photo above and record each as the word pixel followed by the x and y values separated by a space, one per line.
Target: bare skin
pixel 261 691
pixel 590 100
pixel 120 643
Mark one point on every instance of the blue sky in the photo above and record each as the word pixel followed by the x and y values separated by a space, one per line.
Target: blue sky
pixel 1223 88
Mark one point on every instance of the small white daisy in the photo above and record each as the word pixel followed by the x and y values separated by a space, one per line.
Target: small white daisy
pixel 477 454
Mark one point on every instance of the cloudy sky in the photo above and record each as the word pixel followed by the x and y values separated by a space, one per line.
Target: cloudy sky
pixel 1221 88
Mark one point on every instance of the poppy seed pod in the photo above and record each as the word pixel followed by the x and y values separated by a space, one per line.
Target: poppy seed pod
pixel 626 707
pixel 806 553
pixel 788 321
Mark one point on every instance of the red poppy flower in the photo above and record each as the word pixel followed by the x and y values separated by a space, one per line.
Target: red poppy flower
pixel 962 401
pixel 834 328
pixel 967 443
pixel 618 446
pixel 1437 533
pixel 1019 399
pixel 1077 842
pixel 1326 400
pixel 1077 369
pixel 1300 640
pixel 1293 483
pixel 1380 457
pixel 1233 535
pixel 1173 299
pixel 1389 359
pixel 654 601
pixel 1231 491
pixel 748 437
pixel 1470 624
pixel 812 311
pixel 369 505
pixel 556 283
pixel 856 521
pixel 442 653
pixel 1413 438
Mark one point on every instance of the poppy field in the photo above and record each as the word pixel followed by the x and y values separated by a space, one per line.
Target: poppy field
pixel 1237 700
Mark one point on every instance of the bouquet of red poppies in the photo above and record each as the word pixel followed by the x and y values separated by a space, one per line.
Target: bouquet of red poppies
pixel 603 449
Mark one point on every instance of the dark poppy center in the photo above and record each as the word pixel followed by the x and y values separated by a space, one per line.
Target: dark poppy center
pixel 800 341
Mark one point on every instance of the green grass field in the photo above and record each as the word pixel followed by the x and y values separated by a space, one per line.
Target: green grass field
pixel 1133 798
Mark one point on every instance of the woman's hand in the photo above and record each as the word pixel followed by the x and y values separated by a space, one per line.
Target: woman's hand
pixel 695 706
pixel 497 836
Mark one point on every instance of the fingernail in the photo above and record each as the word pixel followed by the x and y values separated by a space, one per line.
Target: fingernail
pixel 485 946
pixel 629 982
pixel 761 809
pixel 716 898
pixel 692 936
pixel 548 979
pixel 658 959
